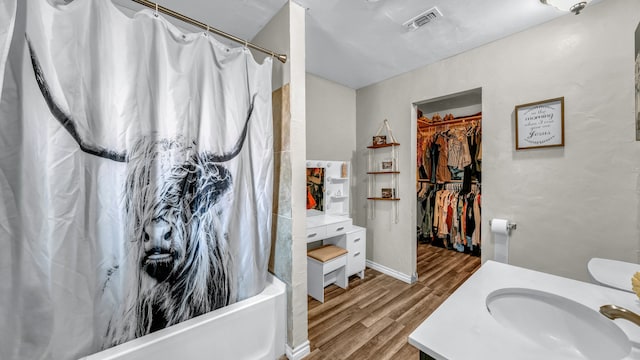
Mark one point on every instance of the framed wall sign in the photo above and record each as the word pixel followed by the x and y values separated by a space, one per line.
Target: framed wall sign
pixel 540 124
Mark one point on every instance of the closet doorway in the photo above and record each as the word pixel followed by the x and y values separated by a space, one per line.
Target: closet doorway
pixel 449 177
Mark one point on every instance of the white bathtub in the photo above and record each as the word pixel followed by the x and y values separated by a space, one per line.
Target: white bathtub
pixel 253 328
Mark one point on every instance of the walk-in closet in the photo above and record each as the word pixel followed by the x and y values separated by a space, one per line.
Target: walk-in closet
pixel 449 172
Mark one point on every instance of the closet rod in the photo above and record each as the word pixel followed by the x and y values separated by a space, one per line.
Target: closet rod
pixel 203 26
pixel 454 182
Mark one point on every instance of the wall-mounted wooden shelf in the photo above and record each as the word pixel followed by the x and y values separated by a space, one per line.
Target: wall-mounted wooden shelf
pixel 382 145
pixel 389 176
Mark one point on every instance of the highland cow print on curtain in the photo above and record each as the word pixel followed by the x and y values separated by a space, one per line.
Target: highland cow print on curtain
pixel 142 193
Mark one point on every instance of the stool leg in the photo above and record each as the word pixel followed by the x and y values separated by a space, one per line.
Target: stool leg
pixel 315 282
pixel 341 277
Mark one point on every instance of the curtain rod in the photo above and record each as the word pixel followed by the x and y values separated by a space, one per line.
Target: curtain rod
pixel 162 9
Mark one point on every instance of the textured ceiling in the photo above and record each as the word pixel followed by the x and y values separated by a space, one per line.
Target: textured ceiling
pixel 359 42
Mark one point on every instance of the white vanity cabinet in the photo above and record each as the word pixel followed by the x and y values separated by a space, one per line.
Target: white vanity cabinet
pixel 357 247
pixel 356 242
pixel 331 224
pixel 340 231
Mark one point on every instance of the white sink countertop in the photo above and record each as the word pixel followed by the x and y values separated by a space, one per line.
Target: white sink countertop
pixel 613 273
pixel 462 328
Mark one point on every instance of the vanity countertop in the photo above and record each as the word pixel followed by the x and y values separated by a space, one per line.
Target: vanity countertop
pixel 613 273
pixel 462 328
pixel 322 220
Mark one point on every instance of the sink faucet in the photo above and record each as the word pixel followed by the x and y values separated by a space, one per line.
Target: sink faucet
pixel 616 312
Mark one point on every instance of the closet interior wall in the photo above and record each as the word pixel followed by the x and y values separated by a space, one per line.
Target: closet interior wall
pixel 449 168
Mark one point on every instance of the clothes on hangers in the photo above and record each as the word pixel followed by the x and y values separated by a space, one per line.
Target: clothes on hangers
pixel 425 204
pixel 445 152
pixel 449 212
pixel 450 218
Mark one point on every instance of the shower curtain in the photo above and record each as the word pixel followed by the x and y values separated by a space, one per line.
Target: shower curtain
pixel 7 21
pixel 136 168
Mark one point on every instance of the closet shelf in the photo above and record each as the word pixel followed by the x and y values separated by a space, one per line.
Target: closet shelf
pixel 382 145
pixel 429 123
pixel 382 172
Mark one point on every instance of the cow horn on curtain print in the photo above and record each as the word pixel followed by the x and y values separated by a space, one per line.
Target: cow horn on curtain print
pixel 189 231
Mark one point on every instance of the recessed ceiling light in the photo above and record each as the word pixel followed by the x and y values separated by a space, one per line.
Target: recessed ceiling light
pixel 575 6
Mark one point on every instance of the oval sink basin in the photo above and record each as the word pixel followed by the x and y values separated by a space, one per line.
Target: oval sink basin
pixel 563 326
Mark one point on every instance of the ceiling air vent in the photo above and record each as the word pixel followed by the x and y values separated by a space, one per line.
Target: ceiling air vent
pixel 422 19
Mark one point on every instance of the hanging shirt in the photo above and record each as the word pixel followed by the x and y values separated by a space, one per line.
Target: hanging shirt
pixel 442 171
pixel 476 209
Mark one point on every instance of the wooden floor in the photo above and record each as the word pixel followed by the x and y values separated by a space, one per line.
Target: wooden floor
pixel 373 318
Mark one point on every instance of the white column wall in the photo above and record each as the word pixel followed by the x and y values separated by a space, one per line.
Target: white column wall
pixel 285 33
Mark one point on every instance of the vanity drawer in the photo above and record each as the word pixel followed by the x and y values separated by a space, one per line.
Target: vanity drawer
pixel 356 262
pixel 316 233
pixel 356 242
pixel 338 228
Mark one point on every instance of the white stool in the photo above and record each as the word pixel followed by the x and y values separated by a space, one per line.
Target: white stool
pixel 326 265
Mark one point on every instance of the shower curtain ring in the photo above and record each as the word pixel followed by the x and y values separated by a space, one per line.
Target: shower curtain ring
pixel 207 32
pixel 156 13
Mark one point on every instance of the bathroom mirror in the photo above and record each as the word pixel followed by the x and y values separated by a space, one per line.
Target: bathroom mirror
pixel 315 190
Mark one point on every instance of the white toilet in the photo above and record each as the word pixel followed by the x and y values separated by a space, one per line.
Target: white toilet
pixel 612 273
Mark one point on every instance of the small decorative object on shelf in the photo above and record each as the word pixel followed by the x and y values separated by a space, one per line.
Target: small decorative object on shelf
pixel 387 165
pixel 388 193
pixel 379 140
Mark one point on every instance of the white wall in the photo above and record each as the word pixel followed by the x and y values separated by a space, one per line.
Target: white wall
pixel 331 120
pixel 570 203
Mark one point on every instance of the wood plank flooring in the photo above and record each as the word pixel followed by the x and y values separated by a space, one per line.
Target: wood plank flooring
pixel 373 318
